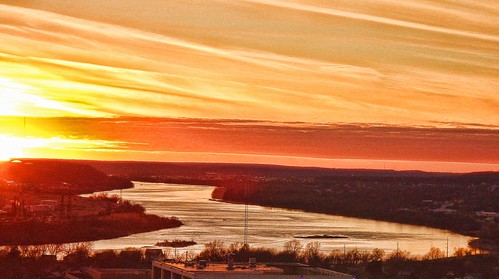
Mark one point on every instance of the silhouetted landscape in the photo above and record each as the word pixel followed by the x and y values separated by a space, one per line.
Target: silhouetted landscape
pixel 41 204
pixel 463 203
pixel 132 130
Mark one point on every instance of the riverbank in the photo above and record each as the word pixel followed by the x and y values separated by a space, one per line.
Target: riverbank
pixel 207 220
pixel 90 219
pixel 464 203
pixel 40 204
pixel 461 203
pixel 451 205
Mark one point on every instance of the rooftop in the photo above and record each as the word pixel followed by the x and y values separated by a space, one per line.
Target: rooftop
pixel 240 270
pixel 218 267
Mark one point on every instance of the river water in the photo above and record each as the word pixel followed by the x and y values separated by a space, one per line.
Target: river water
pixel 206 220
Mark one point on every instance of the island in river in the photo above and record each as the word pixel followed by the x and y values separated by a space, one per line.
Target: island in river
pixel 176 243
pixel 40 203
pixel 325 236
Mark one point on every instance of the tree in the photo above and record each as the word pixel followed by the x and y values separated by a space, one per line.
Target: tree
pixel 235 247
pixel 77 254
pixel 337 257
pixel 239 249
pixel 130 257
pixel 460 252
pixel 214 251
pixel 293 247
pixel 312 253
pixel 377 255
pixel 399 256
pixel 81 248
pixel 353 256
pixel 53 249
pixel 31 251
pixel 433 254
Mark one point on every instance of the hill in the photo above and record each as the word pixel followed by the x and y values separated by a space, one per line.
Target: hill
pixel 56 175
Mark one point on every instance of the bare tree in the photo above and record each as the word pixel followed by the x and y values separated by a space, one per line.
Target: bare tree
pixel 312 253
pixel 53 249
pixel 399 256
pixel 31 251
pixel 293 247
pixel 79 248
pixel 214 251
pixel 434 253
pixel 377 255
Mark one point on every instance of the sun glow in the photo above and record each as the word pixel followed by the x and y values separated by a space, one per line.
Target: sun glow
pixel 10 147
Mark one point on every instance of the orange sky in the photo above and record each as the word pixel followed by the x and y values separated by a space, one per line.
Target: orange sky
pixel 318 82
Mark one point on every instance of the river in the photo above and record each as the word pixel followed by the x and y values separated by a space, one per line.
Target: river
pixel 206 220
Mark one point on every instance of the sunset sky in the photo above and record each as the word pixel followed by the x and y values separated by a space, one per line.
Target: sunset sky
pixel 344 84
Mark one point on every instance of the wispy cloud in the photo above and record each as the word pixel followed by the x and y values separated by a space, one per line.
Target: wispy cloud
pixel 470 147
pixel 357 80
pixel 324 70
pixel 340 141
pixel 300 6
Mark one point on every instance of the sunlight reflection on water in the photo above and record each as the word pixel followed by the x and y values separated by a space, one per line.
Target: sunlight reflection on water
pixel 206 220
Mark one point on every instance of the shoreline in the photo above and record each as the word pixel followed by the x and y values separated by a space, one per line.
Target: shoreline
pixel 269 227
pixel 106 219
pixel 347 216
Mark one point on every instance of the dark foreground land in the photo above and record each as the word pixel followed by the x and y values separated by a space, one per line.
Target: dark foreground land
pixel 40 261
pixel 463 203
pixel 40 203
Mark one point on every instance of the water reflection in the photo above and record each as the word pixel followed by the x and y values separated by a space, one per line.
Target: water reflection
pixel 206 220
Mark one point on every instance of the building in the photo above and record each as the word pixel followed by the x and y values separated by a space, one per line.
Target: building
pixel 166 270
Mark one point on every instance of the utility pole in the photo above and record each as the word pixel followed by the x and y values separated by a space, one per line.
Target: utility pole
pixel 447 246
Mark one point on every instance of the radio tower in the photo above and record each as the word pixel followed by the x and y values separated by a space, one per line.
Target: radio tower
pixel 246 212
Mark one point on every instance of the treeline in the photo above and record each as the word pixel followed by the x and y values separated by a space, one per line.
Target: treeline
pixel 396 199
pixel 311 254
pixel 37 261
pixel 363 264
pixel 40 261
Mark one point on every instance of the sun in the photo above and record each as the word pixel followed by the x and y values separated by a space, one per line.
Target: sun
pixel 10 147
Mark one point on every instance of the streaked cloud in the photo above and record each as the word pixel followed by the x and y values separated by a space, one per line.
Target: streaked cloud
pixel 177 139
pixel 419 76
pixel 319 9
pixel 376 66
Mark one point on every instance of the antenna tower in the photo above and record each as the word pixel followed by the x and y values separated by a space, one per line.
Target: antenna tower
pixel 246 190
